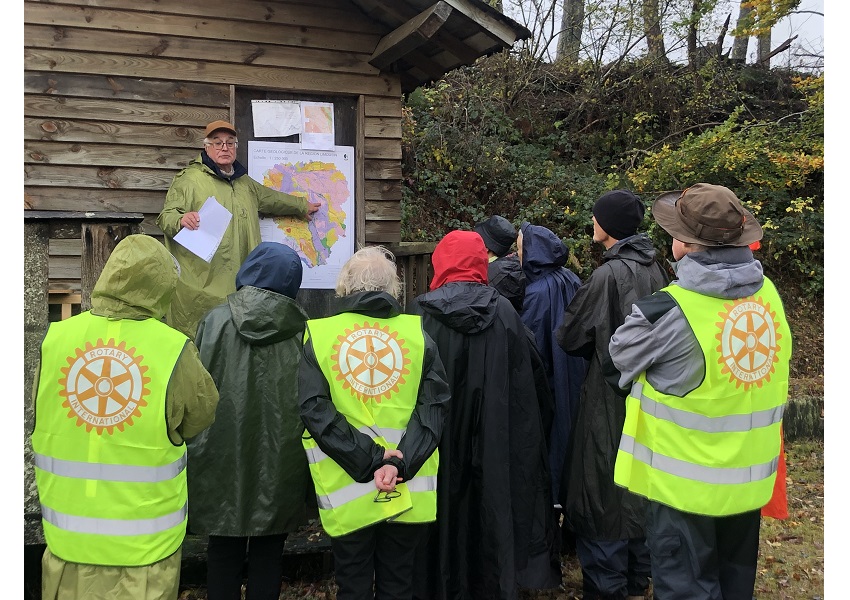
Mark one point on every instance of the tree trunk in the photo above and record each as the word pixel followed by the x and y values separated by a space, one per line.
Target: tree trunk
pixel 742 41
pixel 572 21
pixel 764 50
pixel 692 33
pixel 652 30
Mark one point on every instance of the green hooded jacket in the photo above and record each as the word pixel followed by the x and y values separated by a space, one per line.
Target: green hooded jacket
pixel 138 282
pixel 248 474
pixel 204 285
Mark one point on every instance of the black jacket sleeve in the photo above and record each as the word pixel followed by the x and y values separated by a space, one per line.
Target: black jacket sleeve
pixel 354 451
pixel 425 427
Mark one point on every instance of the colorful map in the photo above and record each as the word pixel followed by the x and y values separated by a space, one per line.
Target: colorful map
pixel 326 241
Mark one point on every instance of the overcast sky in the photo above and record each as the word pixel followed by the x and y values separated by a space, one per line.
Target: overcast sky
pixel 808 28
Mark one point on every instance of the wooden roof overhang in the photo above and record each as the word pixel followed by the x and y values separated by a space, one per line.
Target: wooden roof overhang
pixel 427 39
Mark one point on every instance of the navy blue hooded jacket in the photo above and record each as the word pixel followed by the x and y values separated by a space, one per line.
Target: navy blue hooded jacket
pixel 549 289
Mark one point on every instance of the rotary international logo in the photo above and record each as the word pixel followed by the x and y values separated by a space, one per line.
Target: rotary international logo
pixel 104 386
pixel 371 361
pixel 748 341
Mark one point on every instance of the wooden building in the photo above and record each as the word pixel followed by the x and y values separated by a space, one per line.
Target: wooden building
pixel 117 94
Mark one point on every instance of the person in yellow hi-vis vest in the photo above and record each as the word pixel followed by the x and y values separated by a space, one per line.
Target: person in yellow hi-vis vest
pixel 116 394
pixel 373 398
pixel 706 359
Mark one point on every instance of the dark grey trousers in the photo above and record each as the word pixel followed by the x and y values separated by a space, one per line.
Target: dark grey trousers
pixel 381 555
pixel 613 570
pixel 702 558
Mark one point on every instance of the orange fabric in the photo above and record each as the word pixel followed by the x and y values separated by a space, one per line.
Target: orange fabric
pixel 777 507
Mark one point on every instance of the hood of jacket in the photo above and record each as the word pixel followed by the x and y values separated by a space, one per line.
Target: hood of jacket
pixel 542 251
pixel 263 317
pixel 726 272
pixel 379 305
pixel 271 266
pixel 459 256
pixel 637 247
pixel 137 281
pixel 464 306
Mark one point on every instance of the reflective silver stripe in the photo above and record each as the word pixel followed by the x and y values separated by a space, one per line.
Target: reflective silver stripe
pixel 422 484
pixel 315 455
pixel 107 472
pixel 689 420
pixel 371 430
pixel 79 524
pixel 347 494
pixel 391 435
pixel 686 470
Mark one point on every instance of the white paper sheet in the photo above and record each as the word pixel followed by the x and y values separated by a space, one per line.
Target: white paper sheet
pixel 204 240
pixel 276 118
pixel 317 120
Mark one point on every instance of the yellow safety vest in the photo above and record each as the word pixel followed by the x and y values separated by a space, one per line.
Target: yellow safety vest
pixel 111 484
pixel 374 367
pixel 714 451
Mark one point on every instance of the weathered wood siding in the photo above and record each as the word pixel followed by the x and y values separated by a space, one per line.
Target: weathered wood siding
pixel 117 94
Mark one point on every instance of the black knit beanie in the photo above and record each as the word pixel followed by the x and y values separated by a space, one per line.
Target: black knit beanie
pixel 619 213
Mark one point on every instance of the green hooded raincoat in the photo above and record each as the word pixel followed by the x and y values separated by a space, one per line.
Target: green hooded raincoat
pixel 204 285
pixel 248 473
pixel 137 283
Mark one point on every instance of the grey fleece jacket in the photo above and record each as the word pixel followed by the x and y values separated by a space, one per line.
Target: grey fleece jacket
pixel 656 337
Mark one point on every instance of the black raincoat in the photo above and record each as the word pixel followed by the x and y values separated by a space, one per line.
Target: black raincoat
pixel 594 507
pixel 505 274
pixel 494 533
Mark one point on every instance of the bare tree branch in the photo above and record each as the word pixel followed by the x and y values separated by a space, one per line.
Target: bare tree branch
pixel 780 48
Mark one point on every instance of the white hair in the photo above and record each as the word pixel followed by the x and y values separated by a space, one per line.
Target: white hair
pixel 370 269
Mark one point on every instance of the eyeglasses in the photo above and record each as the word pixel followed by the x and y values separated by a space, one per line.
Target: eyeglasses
pixel 218 144
pixel 383 496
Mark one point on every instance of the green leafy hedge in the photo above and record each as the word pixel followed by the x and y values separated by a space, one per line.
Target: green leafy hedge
pixel 541 142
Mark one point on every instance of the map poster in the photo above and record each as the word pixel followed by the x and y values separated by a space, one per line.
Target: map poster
pixel 325 176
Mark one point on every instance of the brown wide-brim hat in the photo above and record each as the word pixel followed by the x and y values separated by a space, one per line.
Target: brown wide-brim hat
pixel 706 214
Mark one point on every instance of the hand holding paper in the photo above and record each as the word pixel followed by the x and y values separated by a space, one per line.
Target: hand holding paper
pixel 204 240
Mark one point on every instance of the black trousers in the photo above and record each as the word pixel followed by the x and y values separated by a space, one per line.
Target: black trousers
pixel 613 570
pixel 700 557
pixel 226 562
pixel 382 554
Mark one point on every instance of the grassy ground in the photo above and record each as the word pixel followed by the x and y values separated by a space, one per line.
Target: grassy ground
pixel 791 553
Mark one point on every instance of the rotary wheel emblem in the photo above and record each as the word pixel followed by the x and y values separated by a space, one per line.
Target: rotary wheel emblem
pixel 104 386
pixel 371 361
pixel 748 342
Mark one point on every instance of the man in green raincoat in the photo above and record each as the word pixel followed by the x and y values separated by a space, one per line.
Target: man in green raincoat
pixel 216 173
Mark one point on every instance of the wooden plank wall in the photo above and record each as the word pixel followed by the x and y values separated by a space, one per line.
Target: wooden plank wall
pixel 117 94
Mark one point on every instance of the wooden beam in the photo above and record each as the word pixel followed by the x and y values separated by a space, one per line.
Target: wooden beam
pixel 424 63
pixel 293 80
pixel 126 88
pixel 496 28
pixel 410 35
pixel 123 42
